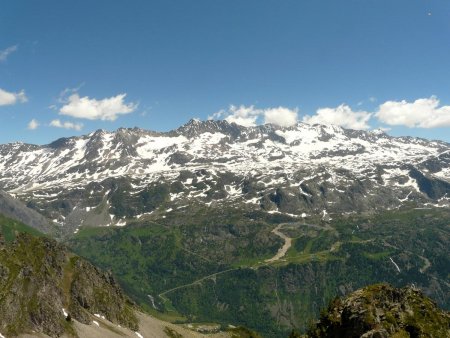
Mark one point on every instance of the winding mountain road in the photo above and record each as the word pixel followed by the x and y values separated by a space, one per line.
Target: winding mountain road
pixel 198 281
pixel 282 251
pixel 280 254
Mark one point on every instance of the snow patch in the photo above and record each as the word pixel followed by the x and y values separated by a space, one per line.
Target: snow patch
pixel 121 223
pixel 254 200
pixel 282 213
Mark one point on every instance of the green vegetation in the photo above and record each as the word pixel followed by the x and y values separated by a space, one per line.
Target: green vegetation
pixel 208 264
pixel 9 228
pixel 147 259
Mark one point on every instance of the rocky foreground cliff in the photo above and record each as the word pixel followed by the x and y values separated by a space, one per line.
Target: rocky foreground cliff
pixel 43 288
pixel 381 311
pixel 46 291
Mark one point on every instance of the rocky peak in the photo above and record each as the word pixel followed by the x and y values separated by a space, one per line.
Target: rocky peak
pixel 196 127
pixel 63 142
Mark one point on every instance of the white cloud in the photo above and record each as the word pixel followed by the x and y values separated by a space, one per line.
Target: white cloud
pixel 8 98
pixel 5 52
pixel 250 116
pixel 342 116
pixel 66 125
pixel 93 109
pixel 422 113
pixel 33 124
pixel 242 115
pixel 281 116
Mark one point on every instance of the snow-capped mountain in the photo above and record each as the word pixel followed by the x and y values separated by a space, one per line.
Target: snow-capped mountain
pixel 295 170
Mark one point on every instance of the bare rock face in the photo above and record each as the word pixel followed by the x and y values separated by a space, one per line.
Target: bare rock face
pixel 95 291
pixel 382 311
pixel 43 287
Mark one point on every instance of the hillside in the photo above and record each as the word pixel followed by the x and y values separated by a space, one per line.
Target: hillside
pixel 46 291
pixel 17 210
pixel 43 287
pixel 9 228
pixel 237 284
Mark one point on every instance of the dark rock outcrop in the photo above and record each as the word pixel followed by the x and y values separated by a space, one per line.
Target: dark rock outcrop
pixel 382 311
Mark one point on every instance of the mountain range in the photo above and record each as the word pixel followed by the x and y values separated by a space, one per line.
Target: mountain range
pixel 300 170
pixel 256 226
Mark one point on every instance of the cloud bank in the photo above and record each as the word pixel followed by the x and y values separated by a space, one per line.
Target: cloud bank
pixel 107 109
pixel 421 113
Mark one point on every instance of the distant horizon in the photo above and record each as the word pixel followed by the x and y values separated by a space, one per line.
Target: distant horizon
pixel 87 133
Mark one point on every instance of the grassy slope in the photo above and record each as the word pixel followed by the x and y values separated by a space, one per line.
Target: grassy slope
pixel 8 228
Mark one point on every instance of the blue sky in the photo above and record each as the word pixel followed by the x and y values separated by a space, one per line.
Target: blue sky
pixel 76 66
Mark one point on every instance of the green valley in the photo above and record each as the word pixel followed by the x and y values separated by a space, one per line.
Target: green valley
pixel 195 267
